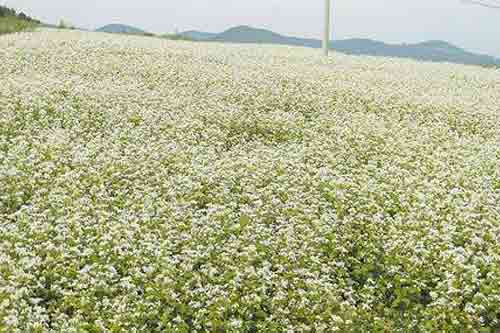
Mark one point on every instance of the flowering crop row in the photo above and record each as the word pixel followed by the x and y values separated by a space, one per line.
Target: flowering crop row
pixel 154 185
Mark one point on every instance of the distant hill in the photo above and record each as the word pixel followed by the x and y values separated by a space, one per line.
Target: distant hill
pixel 198 35
pixel 438 51
pixel 121 29
pixel 246 34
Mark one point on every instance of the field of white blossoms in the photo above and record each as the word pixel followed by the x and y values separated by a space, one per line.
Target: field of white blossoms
pixel 151 185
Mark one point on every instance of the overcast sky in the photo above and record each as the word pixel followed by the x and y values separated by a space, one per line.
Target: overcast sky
pixel 472 27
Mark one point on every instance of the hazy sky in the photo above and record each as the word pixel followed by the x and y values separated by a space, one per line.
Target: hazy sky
pixel 474 28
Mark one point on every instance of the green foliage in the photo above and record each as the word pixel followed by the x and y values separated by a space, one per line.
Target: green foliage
pixel 5 11
pixel 9 12
pixel 11 21
pixel 256 189
pixel 10 24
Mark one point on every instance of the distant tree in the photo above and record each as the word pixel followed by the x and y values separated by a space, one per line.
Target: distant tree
pixel 65 25
pixel 5 11
pixel 11 21
pixel 9 12
pixel 23 16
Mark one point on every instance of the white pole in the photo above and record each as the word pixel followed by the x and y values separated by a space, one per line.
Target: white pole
pixel 326 36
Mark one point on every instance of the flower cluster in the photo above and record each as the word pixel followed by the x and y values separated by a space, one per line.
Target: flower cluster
pixel 156 185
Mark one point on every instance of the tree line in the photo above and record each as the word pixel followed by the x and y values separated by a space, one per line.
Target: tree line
pixel 9 12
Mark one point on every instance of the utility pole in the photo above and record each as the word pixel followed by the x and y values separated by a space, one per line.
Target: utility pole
pixel 326 36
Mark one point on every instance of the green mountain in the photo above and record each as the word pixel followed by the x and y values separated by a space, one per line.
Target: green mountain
pixel 246 34
pixel 438 51
pixel 198 35
pixel 121 29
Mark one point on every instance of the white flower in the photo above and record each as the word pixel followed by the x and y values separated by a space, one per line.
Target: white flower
pixel 149 185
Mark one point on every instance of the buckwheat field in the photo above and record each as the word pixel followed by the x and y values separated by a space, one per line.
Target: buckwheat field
pixel 149 185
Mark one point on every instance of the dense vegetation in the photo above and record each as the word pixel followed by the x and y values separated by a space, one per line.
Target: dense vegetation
pixel 158 186
pixel 11 21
